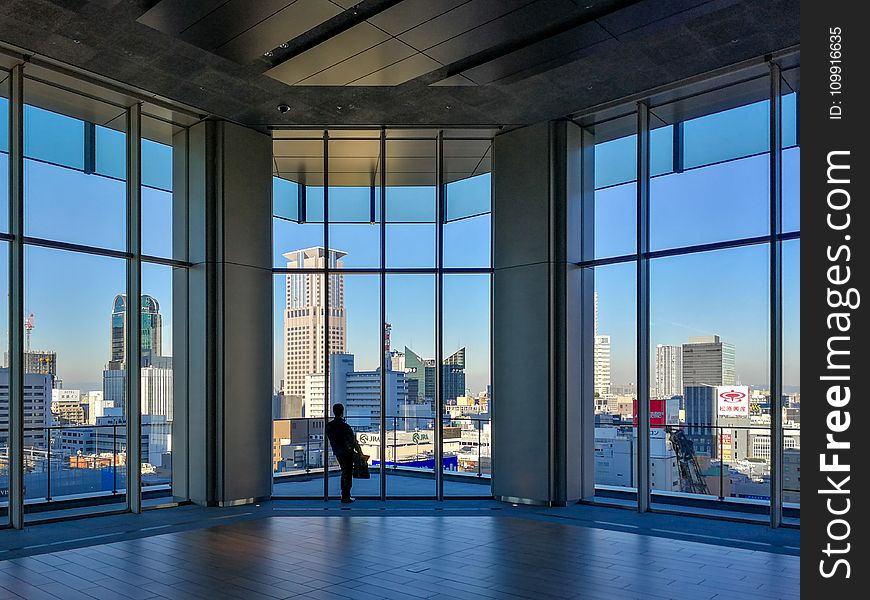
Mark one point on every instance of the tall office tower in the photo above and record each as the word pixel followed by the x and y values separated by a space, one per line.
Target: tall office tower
pixel 669 371
pixel 414 367
pixel 601 361
pixel 420 375
pixel 600 355
pixel 306 313
pixel 708 361
pixel 156 369
pixel 453 377
pixel 152 329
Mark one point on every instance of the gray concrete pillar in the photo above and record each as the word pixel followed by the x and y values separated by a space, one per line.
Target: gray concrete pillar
pixel 542 421
pixel 226 413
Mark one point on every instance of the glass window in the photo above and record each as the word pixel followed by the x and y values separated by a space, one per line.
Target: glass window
pixel 110 149
pixel 411 199
pixel 615 376
pixel 75 423
pixel 726 135
pixel 791 166
pixel 410 384
pixel 723 193
pixel 467 240
pixel 616 197
pixel 466 381
pixel 4 378
pixel 354 201
pixel 64 198
pixel 714 306
pixel 157 376
pixel 354 371
pixel 164 232
pixel 4 152
pixel 298 435
pixel 791 371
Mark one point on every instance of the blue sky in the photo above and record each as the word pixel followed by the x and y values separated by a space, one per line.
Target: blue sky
pixel 723 292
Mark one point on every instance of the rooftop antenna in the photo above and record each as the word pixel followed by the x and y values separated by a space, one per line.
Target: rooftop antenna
pixel 28 328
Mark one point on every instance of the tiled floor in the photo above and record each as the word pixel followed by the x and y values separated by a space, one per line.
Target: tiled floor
pixel 399 550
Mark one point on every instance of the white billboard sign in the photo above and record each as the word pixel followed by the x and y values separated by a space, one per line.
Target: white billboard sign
pixel 732 400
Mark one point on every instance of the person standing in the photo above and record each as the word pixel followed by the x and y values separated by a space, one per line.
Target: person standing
pixel 344 447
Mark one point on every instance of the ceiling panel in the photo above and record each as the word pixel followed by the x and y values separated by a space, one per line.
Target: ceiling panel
pixel 514 25
pixel 360 65
pixel 549 51
pixel 400 72
pixel 459 20
pixel 353 148
pixel 229 20
pixel 174 16
pixel 283 26
pixel 313 147
pixel 344 45
pixel 410 13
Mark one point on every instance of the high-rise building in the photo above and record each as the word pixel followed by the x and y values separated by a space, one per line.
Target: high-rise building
pixel 708 361
pixel 600 356
pixel 358 391
pixel 421 374
pixel 37 409
pixel 669 371
pixel 306 314
pixel 156 369
pixel 453 377
pixel 152 329
pixel 601 368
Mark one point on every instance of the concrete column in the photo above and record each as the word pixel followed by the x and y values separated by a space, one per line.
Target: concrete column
pixel 227 424
pixel 542 422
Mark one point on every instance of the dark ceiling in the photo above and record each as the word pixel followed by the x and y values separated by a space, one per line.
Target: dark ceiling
pixel 398 62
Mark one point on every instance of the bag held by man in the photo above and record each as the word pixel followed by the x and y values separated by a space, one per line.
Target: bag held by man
pixel 361 466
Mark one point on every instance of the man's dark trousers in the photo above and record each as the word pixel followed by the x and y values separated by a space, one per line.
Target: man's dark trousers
pixel 345 461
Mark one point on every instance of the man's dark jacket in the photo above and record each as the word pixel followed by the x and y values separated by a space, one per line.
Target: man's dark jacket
pixel 341 437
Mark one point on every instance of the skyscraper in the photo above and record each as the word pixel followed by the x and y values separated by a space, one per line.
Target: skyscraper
pixel 152 329
pixel 156 369
pixel 708 361
pixel 600 356
pixel 669 371
pixel 305 316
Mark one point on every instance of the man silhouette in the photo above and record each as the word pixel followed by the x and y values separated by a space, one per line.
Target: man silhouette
pixel 345 447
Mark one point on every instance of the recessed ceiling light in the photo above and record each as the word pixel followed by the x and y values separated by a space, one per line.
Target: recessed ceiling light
pixel 267 54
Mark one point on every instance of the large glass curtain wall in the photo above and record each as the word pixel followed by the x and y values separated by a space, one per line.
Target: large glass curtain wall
pixel 695 261
pixel 382 303
pixel 87 220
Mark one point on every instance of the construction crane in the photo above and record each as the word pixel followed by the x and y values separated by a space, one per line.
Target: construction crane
pixel 691 479
pixel 28 328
